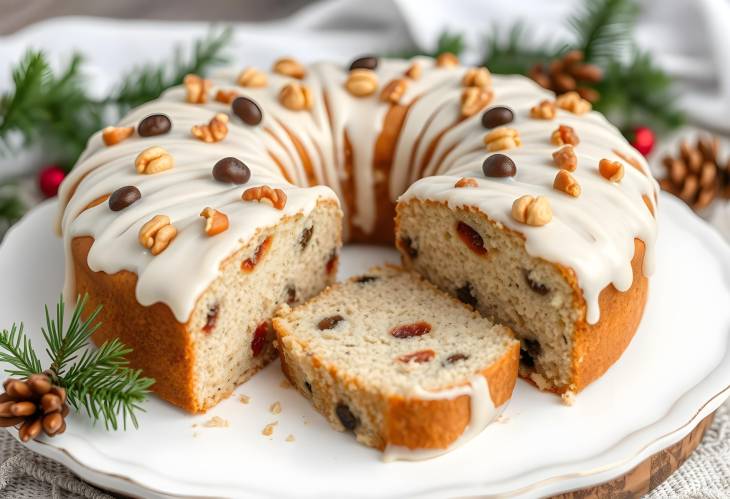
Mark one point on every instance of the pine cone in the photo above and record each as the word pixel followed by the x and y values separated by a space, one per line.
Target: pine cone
pixel 696 175
pixel 36 404
pixel 568 74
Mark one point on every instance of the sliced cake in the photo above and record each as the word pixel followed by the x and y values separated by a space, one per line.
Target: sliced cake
pixel 407 368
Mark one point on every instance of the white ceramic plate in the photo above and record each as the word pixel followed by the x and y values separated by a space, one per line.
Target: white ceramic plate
pixel 675 372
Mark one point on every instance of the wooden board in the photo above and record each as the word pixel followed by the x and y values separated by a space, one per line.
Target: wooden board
pixel 650 473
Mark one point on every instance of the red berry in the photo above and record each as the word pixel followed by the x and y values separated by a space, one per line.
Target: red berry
pixel 644 140
pixel 49 179
pixel 259 339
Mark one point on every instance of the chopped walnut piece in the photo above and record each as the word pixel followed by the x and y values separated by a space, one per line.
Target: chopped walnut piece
pixel 196 89
pixel 466 182
pixel 153 160
pixel 288 66
pixel 611 170
pixel 215 131
pixel 474 99
pixel 545 110
pixel 564 134
pixel 114 135
pixel 573 102
pixel 265 194
pixel 565 158
pixel 502 138
pixel 296 97
pixel 446 60
pixel 535 211
pixel 215 221
pixel 414 71
pixel 362 82
pixel 477 77
pixel 564 182
pixel 225 96
pixel 157 234
pixel 252 77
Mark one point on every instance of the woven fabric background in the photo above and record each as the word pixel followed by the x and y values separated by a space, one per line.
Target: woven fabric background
pixel 705 475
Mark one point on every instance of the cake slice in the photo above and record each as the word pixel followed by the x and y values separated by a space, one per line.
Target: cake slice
pixel 406 367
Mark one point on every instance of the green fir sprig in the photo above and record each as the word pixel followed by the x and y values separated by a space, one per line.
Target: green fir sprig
pixel 99 381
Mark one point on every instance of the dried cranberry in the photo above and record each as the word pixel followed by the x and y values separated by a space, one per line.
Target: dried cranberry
pixel 419 357
pixel 365 279
pixel 211 318
pixel 538 288
pixel 411 330
pixel 454 358
pixel 250 263
pixel 466 295
pixel 305 237
pixel 346 417
pixel 330 322
pixel 471 238
pixel 406 245
pixel 331 264
pixel 259 339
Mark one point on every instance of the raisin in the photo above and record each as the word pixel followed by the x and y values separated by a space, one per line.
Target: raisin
pixel 291 295
pixel 250 263
pixel 211 318
pixel 529 350
pixel 419 357
pixel 471 238
pixel 308 386
pixel 454 358
pixel 330 322
pixel 538 288
pixel 346 417
pixel 259 339
pixel 466 295
pixel 331 264
pixel 305 237
pixel 406 245
pixel 365 279
pixel 410 330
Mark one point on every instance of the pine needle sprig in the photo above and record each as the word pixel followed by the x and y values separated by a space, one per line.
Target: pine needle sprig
pixel 147 82
pixel 603 28
pixel 64 343
pixel 97 381
pixel 104 386
pixel 16 349
pixel 11 206
pixel 511 55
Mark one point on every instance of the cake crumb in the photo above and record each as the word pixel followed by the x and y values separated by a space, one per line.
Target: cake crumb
pixel 501 419
pixel 285 383
pixel 568 397
pixel 244 399
pixel 195 434
pixel 269 429
pixel 290 438
pixel 216 422
pixel 275 408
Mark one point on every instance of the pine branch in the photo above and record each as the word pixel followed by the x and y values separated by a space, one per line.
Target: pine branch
pixel 638 93
pixel 11 206
pixel 17 351
pixel 510 55
pixel 64 344
pixel 145 83
pixel 603 28
pixel 101 383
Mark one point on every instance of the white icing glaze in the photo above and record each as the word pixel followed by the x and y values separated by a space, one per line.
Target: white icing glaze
pixel 592 234
pixel 482 412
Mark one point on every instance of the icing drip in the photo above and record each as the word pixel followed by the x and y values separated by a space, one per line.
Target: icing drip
pixel 592 234
pixel 482 412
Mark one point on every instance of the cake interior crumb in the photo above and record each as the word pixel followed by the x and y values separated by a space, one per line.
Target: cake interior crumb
pixel 269 429
pixel 216 422
pixel 275 408
pixel 244 399
pixel 290 438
